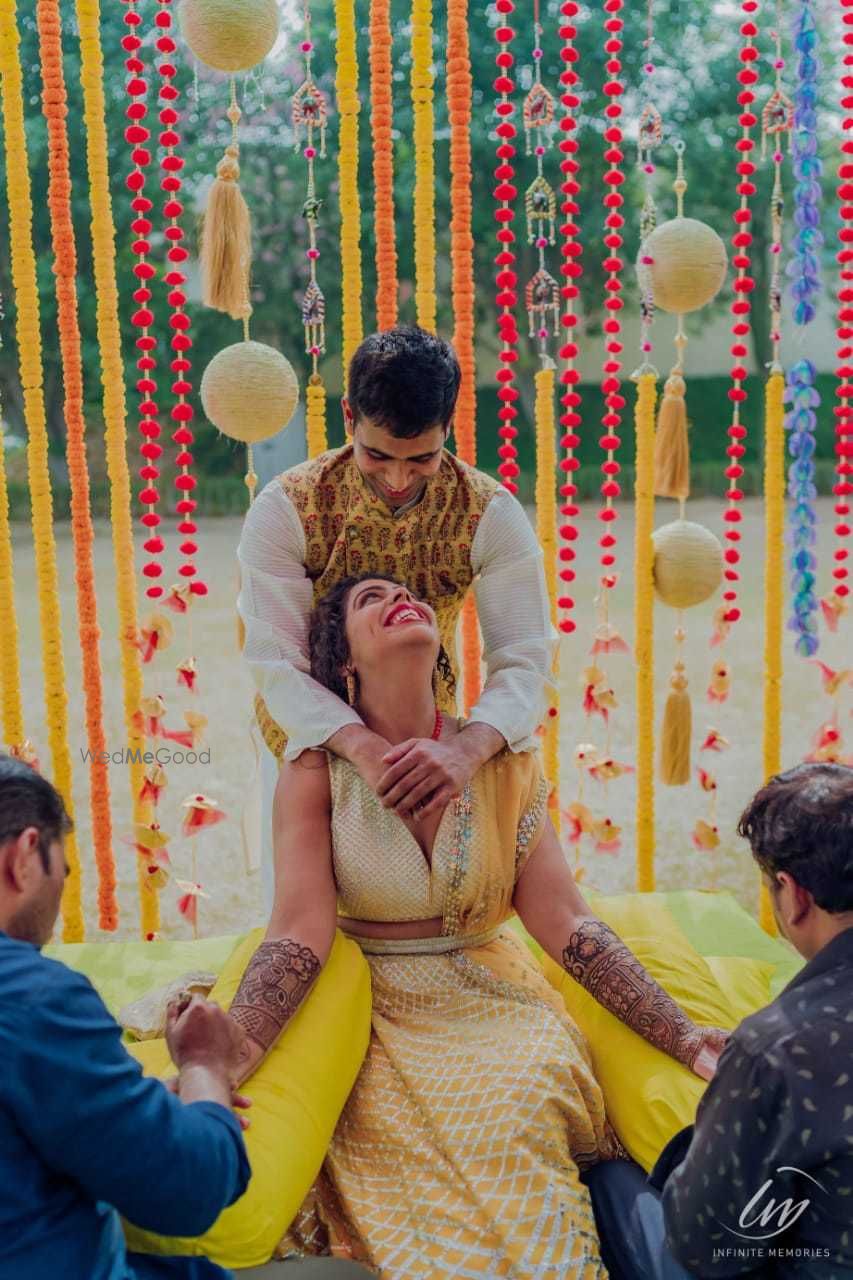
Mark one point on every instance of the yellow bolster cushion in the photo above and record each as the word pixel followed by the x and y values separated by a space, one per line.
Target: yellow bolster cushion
pixel 649 1096
pixel 297 1094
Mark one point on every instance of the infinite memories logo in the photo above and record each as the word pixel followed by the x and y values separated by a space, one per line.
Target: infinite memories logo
pixel 765 1218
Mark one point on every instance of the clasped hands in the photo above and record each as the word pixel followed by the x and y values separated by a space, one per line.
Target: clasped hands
pixel 419 777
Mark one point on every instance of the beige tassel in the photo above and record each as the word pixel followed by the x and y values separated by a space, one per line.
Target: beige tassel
pixel 226 242
pixel 672 453
pixel 677 727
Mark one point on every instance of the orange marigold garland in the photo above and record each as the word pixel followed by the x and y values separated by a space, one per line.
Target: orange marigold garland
pixel 112 379
pixel 459 90
pixel 381 123
pixel 54 105
pixel 25 282
pixel 506 279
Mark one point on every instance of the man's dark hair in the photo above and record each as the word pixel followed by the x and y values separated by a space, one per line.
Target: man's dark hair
pixel 29 800
pixel 404 380
pixel 802 822
pixel 327 636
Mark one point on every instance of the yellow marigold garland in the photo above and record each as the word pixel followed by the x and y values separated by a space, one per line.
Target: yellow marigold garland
pixel 112 379
pixel 30 363
pixel 346 87
pixel 315 417
pixel 423 129
pixel 10 671
pixel 774 572
pixel 644 604
pixel 546 528
pixel 54 103
pixel 459 89
pixel 381 122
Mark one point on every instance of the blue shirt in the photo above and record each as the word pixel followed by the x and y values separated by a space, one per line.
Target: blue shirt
pixel 84 1136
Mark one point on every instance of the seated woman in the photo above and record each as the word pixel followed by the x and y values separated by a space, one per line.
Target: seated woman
pixel 459 1149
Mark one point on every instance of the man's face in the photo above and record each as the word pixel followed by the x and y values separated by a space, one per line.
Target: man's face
pixel 396 469
pixel 41 892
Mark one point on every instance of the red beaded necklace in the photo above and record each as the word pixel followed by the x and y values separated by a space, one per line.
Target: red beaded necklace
pixel 439 721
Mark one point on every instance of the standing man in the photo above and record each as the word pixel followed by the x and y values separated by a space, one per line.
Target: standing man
pixel 394 500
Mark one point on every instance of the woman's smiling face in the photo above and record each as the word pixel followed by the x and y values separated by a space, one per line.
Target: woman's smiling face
pixel 383 619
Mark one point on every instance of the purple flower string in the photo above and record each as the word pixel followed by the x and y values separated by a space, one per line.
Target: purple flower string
pixel 802 397
pixel 803 271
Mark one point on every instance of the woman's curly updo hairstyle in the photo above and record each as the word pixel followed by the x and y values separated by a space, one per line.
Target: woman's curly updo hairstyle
pixel 327 637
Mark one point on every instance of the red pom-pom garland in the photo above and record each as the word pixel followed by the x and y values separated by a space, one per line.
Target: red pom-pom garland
pixel 570 271
pixel 506 297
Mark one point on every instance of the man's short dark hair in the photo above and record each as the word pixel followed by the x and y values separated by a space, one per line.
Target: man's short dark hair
pixel 404 380
pixel 802 822
pixel 28 800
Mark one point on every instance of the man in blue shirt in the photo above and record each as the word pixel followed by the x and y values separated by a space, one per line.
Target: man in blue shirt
pixel 84 1136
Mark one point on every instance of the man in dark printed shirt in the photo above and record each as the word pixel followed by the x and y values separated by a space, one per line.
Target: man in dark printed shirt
pixel 763 1183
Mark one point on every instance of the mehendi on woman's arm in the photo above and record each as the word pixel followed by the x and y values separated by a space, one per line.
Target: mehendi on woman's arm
pixel 598 959
pixel 274 985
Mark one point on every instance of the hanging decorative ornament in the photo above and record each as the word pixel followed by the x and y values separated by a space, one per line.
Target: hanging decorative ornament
pixel 155 635
pixel 542 299
pixel 155 781
pixel 191 891
pixel 26 753
pixel 714 741
pixel 192 735
pixel 309 113
pixel 232 37
pixel 688 569
pixel 229 35
pixel 681 268
pixel 201 812
pixel 649 138
pixel 249 391
pixel 505 193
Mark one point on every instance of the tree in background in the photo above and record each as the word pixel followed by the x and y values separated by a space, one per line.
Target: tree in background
pixel 696 93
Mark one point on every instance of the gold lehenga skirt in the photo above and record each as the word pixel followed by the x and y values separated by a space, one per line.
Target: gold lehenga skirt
pixel 459 1149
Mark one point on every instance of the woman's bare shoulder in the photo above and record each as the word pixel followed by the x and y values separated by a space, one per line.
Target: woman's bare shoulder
pixel 305 781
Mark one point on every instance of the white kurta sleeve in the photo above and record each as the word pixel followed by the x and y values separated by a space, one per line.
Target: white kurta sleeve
pixel 518 637
pixel 275 602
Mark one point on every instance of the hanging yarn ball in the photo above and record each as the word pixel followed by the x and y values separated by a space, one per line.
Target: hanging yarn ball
pixel 249 391
pixel 682 265
pixel 688 564
pixel 229 35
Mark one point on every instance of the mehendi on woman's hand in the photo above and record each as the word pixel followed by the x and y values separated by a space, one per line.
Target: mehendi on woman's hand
pixel 274 985
pixel 598 959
